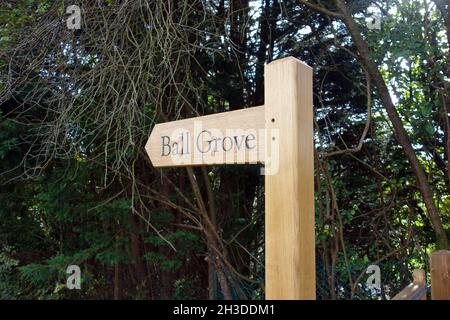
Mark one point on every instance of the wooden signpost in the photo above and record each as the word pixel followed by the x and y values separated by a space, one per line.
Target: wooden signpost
pixel 221 138
pixel 278 135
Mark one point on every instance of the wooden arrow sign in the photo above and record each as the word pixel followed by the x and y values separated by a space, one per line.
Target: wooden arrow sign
pixel 222 138
pixel 279 135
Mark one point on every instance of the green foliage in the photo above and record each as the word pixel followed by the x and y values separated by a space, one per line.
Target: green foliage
pixel 77 107
pixel 184 242
pixel 185 288
pixel 10 287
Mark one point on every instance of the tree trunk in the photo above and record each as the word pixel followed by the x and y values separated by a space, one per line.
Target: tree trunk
pixel 136 243
pixel 399 130
pixel 216 249
pixel 116 282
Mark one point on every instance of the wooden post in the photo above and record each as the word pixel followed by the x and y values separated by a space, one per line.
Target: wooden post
pixel 419 278
pixel 287 151
pixel 440 275
pixel 289 198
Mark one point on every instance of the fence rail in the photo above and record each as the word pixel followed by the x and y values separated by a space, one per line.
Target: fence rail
pixel 440 280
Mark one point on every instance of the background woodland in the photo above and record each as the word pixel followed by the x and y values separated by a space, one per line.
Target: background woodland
pixel 77 106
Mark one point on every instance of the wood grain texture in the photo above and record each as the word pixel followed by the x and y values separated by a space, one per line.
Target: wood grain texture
pixel 236 128
pixel 289 198
pixel 416 289
pixel 440 275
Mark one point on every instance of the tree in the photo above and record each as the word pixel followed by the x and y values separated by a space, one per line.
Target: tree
pixel 400 132
pixel 78 105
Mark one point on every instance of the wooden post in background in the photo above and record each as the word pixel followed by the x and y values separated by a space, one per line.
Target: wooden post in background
pixel 420 279
pixel 440 275
pixel 289 193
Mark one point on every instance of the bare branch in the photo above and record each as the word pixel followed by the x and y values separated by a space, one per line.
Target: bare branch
pixel 321 9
